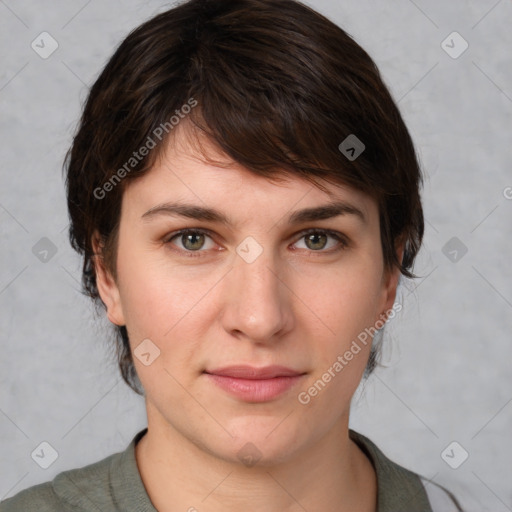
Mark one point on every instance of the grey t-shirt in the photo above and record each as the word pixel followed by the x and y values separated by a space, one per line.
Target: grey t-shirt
pixel 114 484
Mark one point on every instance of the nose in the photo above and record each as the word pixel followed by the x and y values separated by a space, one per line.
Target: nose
pixel 258 302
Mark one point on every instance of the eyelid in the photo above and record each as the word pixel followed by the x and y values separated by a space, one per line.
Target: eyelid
pixel 342 239
pixel 167 240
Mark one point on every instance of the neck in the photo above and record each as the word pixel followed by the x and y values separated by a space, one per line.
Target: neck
pixel 332 474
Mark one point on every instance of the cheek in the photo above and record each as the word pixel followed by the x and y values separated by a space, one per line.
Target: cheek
pixel 153 295
pixel 347 308
pixel 168 305
pixel 145 300
pixel 346 299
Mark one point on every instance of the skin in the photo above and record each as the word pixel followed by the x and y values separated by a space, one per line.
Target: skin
pixel 297 305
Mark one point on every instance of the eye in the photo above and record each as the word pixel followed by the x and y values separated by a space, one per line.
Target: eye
pixel 316 240
pixel 192 240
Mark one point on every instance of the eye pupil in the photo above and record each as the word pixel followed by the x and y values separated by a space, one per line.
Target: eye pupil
pixel 311 237
pixel 187 238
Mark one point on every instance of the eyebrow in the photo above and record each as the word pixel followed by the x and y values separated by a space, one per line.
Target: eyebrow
pixel 327 211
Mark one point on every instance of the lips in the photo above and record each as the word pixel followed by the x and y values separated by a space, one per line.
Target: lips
pixel 253 373
pixel 251 384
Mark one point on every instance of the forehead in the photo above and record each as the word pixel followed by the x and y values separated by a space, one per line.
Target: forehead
pixel 193 171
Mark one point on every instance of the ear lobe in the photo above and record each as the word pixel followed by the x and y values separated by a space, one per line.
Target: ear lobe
pixel 107 287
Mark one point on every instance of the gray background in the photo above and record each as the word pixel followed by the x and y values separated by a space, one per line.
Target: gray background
pixel 448 354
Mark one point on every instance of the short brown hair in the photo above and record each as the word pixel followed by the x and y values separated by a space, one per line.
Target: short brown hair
pixel 277 86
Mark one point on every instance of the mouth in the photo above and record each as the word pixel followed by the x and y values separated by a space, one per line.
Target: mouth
pixel 251 384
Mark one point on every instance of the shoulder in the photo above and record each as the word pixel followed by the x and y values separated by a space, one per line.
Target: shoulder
pixel 400 489
pixel 80 489
pixel 39 498
pixel 441 499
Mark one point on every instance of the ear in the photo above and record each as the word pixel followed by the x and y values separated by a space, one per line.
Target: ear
pixel 107 287
pixel 390 283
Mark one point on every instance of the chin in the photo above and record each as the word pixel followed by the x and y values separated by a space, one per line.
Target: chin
pixel 260 440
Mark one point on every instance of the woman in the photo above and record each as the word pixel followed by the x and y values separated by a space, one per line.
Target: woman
pixel 245 195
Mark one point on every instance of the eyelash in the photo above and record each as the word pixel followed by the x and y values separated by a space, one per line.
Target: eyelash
pixel 194 254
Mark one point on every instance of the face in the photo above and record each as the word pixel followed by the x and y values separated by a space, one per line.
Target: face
pixel 249 318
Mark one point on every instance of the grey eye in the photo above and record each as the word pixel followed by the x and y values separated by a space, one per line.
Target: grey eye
pixel 193 241
pixel 316 241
